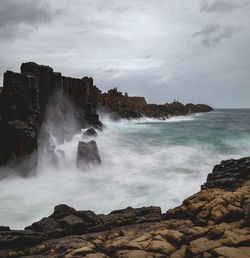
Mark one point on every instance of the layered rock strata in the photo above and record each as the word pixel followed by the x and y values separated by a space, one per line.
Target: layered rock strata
pixel 214 222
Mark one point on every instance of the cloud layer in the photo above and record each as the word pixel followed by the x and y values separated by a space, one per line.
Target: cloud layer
pixel 193 51
pixel 223 5
pixel 18 17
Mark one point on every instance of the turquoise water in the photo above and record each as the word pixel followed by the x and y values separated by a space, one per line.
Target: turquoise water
pixel 224 131
pixel 144 162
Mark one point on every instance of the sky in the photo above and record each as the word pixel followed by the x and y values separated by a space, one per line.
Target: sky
pixel 193 51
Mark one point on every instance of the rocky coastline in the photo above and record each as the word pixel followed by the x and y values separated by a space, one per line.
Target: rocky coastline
pixel 24 100
pixel 214 222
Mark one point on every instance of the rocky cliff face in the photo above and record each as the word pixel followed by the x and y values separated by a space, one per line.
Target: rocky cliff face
pixel 23 102
pixel 214 222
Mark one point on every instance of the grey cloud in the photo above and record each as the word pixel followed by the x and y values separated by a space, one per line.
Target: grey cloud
pixel 208 30
pixel 215 33
pixel 223 6
pixel 15 14
pixel 146 48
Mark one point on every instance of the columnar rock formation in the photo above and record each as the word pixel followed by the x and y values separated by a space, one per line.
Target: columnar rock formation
pixel 214 222
pixel 25 97
pixel 23 102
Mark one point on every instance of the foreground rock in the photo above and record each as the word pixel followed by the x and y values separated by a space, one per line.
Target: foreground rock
pixel 214 222
pixel 229 175
pixel 87 153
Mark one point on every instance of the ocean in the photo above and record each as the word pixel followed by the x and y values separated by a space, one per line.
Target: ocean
pixel 144 162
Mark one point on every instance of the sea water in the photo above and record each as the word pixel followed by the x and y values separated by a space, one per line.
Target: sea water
pixel 144 162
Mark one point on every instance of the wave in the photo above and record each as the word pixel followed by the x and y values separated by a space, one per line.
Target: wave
pixel 142 165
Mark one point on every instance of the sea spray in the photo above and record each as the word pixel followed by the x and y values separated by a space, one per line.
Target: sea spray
pixel 143 163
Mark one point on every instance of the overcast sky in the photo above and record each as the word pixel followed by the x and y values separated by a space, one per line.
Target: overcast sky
pixel 193 51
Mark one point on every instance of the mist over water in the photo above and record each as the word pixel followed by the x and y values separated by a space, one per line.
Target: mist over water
pixel 144 162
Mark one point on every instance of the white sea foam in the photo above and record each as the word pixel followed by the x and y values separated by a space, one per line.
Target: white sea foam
pixel 138 169
pixel 165 120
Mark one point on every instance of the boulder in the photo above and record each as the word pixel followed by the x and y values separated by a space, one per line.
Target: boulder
pixel 87 153
pixel 90 132
pixel 229 175
pixel 61 211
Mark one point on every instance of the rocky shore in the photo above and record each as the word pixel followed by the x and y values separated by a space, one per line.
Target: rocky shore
pixel 24 101
pixel 124 106
pixel 214 222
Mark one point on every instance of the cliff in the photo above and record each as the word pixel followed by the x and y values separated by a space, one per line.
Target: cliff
pixel 214 222
pixel 23 103
pixel 24 100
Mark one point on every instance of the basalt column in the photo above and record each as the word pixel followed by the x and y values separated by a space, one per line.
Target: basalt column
pixel 19 118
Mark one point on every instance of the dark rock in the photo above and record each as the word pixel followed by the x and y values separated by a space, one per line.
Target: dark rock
pixel 44 225
pixel 20 118
pixel 20 239
pixel 90 132
pixel 131 216
pixel 87 153
pixel 18 140
pixel 229 175
pixel 89 217
pixel 71 222
pixel 19 98
pixel 48 81
pixel 24 99
pixel 4 228
pixel 68 221
pixel 62 210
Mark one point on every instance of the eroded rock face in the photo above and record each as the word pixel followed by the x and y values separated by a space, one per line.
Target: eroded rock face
pixel 23 103
pixel 87 153
pixel 229 175
pixel 19 118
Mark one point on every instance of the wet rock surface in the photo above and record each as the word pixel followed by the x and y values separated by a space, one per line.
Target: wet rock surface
pixel 229 175
pixel 87 153
pixel 25 97
pixel 211 223
pixel 90 132
pixel 23 102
